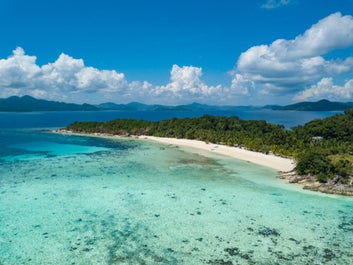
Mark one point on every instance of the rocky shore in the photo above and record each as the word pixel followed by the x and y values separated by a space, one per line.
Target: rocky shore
pixel 309 182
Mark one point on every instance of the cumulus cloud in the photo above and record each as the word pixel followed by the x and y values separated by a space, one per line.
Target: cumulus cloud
pixel 241 85
pixel 71 75
pixel 286 66
pixel 186 83
pixel 69 79
pixel 18 70
pixel 325 88
pixel 270 4
pixel 20 75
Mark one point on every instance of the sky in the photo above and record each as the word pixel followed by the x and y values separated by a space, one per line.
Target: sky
pixel 171 52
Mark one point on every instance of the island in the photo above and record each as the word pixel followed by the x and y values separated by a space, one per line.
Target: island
pixel 30 104
pixel 322 149
pixel 321 105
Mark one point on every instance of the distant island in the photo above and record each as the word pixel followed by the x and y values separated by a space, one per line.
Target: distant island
pixel 29 104
pixel 321 105
pixel 323 149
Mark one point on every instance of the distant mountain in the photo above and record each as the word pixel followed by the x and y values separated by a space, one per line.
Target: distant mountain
pixel 135 106
pixel 322 105
pixel 27 104
pixel 197 106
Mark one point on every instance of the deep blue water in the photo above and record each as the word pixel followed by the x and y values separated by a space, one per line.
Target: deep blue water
pixel 62 119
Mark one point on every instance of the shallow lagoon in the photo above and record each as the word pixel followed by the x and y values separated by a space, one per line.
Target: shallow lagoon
pixel 79 200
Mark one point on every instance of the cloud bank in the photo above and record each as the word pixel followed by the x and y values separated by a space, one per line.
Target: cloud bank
pixel 325 88
pixel 20 75
pixel 303 68
pixel 69 79
pixel 289 66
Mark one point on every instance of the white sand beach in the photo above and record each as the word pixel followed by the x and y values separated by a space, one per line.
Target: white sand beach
pixel 283 165
pixel 271 161
pixel 278 163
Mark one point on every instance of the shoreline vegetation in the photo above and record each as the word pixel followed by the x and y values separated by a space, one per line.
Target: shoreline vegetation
pixel 318 155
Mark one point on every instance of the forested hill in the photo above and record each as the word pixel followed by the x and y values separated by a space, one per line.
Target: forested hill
pixel 323 148
pixel 27 103
pixel 258 135
pixel 321 105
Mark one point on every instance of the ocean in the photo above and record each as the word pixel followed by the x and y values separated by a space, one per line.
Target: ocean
pixel 87 200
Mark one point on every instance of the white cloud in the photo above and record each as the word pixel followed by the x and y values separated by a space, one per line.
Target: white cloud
pixel 186 85
pixel 241 85
pixel 333 32
pixel 69 79
pixel 287 66
pixel 325 88
pixel 20 75
pixel 71 74
pixel 184 79
pixel 18 71
pixel 270 4
pixel 89 78
pixel 60 75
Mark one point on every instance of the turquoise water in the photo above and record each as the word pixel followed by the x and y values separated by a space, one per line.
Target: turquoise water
pixel 79 200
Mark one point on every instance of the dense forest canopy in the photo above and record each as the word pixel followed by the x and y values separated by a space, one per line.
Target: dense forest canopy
pixel 323 148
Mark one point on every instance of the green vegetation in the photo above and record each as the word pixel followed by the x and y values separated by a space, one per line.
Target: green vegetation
pixel 323 148
pixel 326 148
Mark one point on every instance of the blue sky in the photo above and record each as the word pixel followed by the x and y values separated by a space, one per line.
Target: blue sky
pixel 233 52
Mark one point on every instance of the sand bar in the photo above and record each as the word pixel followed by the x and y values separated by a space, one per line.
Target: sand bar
pixel 271 161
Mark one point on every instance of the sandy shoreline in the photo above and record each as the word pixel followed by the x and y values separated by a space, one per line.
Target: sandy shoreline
pixel 278 163
pixel 283 165
pixel 271 161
